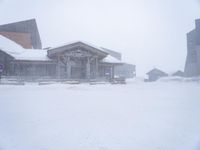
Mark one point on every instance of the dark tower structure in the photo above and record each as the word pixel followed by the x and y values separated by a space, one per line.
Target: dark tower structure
pixel 192 65
pixel 24 33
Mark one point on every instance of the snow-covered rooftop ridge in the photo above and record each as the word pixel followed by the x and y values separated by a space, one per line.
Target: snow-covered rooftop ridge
pixel 19 53
pixel 111 59
pixel 84 42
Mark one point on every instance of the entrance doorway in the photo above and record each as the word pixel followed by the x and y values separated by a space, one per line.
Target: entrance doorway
pixel 78 68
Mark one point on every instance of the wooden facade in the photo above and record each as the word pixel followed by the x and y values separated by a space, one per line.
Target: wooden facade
pixel 76 61
pixel 81 61
pixel 73 61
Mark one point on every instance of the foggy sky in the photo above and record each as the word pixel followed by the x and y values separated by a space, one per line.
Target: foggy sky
pixel 149 33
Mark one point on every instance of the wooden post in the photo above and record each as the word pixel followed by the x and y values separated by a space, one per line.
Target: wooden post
pixel 113 72
pixel 34 74
pixel 19 71
pixel 96 68
pixel 58 67
pixel 88 68
pixel 68 68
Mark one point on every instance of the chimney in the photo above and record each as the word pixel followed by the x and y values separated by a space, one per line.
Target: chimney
pixel 197 23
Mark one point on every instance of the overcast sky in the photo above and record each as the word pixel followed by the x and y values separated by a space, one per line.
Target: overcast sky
pixel 149 33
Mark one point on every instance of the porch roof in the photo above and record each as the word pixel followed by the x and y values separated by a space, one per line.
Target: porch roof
pixel 68 46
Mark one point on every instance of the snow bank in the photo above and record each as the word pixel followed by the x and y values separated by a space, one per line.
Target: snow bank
pixel 159 115
pixel 179 79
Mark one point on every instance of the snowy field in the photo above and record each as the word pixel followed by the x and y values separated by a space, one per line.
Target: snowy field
pixel 136 116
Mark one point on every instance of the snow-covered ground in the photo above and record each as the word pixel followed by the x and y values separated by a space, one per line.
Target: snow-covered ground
pixel 136 116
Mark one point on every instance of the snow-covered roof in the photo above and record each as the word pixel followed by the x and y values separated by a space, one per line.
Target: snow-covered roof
pixel 19 53
pixel 67 46
pixel 33 55
pixel 111 59
pixel 84 42
pixel 108 58
pixel 9 46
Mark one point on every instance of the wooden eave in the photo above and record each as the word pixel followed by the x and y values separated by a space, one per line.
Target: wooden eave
pixel 59 50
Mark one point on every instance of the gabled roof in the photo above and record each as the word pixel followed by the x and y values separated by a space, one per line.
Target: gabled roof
pixel 156 71
pixel 19 53
pixel 65 47
pixel 27 26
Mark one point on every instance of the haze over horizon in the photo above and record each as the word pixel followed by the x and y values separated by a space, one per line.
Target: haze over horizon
pixel 147 33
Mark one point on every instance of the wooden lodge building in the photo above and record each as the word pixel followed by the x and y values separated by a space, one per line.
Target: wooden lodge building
pixel 22 56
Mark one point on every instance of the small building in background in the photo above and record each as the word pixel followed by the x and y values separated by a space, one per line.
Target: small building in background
pixel 178 73
pixel 155 74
